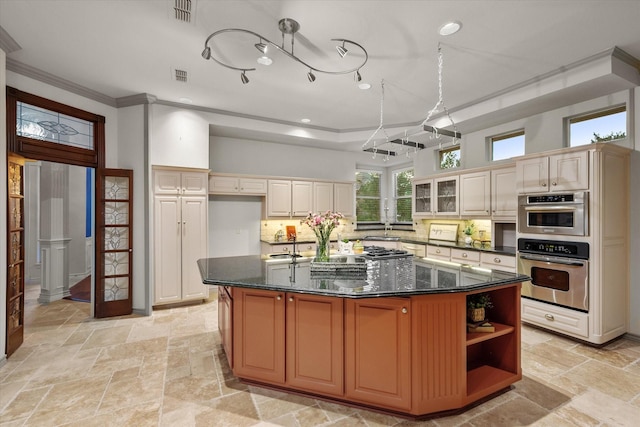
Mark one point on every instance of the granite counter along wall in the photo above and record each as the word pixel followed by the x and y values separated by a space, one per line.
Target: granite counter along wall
pixel 347 229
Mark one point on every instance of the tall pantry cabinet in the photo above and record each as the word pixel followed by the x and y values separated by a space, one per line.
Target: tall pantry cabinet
pixel 180 234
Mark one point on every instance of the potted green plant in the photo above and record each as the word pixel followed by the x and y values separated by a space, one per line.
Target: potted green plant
pixel 476 305
pixel 469 228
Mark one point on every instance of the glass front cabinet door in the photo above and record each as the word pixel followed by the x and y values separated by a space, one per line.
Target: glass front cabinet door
pixel 423 198
pixel 446 190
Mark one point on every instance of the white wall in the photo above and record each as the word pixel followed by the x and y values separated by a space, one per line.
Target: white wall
pixel 178 137
pixel 234 225
pixel 77 222
pixel 229 155
pixel 543 132
pixel 634 215
pixel 132 154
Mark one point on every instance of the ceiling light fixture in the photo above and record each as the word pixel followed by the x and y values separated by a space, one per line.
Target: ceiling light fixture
pixel 286 26
pixel 450 28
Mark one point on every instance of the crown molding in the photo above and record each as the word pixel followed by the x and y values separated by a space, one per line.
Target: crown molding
pixel 50 79
pixel 7 43
pixel 138 99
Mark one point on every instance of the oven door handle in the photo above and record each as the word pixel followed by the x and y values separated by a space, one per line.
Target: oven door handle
pixel 553 260
pixel 538 208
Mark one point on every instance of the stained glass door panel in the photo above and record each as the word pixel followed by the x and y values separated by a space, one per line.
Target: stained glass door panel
pixel 15 270
pixel 114 252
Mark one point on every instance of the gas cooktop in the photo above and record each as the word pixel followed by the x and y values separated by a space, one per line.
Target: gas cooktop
pixel 379 252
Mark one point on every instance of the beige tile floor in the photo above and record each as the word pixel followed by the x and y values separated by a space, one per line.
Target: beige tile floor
pixel 168 370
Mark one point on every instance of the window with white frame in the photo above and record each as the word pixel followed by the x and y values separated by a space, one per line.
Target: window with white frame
pixel 368 196
pixel 601 126
pixel 403 188
pixel 507 145
pixel 449 158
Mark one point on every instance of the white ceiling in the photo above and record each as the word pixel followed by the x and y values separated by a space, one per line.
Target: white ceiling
pixel 121 48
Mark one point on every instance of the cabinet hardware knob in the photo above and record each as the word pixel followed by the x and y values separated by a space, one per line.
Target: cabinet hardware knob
pixel 464 255
pixel 554 183
pixel 404 310
pixel 437 251
pixel 496 260
pixel 290 299
pixel 549 317
pixel 544 184
pixel 278 297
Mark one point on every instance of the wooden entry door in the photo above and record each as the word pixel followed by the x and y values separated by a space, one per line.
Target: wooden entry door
pixel 15 267
pixel 114 253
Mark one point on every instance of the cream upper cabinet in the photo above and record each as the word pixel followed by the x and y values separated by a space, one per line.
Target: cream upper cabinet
pixel 504 199
pixel 559 172
pixel 422 205
pixel 475 194
pixel 298 198
pixel 219 184
pixel 182 183
pixel 279 198
pixel 446 195
pixel 301 198
pixel 323 196
pixel 343 199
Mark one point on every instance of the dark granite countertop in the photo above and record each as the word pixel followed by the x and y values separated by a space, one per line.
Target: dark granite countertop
pixel 398 277
pixel 476 246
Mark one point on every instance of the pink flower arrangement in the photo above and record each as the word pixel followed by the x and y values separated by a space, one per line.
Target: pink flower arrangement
pixel 322 224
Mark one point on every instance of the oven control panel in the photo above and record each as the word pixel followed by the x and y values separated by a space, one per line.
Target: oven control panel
pixel 568 249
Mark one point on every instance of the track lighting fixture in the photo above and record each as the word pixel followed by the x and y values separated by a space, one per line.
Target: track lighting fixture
pixel 342 51
pixel 286 26
pixel 311 77
pixel 261 47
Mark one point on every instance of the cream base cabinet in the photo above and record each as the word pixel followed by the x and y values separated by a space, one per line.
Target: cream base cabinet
pixel 180 238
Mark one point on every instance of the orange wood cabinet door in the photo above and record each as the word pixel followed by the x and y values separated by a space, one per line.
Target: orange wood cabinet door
pixel 378 352
pixel 225 322
pixel 439 335
pixel 258 320
pixel 314 343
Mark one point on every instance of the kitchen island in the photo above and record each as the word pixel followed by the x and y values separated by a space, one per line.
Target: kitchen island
pixel 384 334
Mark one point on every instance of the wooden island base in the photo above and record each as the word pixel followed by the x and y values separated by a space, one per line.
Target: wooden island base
pixel 409 356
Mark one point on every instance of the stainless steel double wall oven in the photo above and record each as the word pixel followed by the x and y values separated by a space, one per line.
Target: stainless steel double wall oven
pixel 557 261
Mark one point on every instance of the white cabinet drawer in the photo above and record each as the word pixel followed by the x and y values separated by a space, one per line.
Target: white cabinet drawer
pixel 415 249
pixel 498 262
pixel 465 257
pixel 557 319
pixel 439 252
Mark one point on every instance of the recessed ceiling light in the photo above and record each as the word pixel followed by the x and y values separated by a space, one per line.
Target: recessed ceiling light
pixel 450 28
pixel 364 86
pixel 265 60
pixel 305 120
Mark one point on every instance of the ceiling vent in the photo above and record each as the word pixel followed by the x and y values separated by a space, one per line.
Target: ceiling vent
pixel 180 75
pixel 183 10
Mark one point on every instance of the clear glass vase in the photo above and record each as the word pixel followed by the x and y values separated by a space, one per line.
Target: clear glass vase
pixel 323 250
